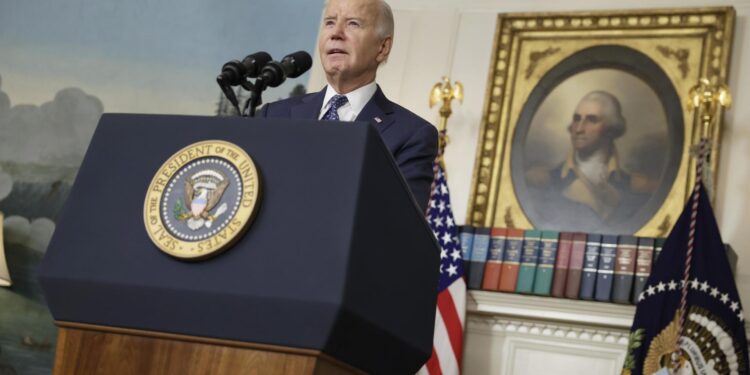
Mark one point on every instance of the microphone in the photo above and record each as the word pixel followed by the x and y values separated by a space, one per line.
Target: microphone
pixel 292 66
pixel 255 62
pixel 234 72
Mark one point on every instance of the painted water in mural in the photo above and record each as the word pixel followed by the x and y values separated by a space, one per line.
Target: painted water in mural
pixel 33 188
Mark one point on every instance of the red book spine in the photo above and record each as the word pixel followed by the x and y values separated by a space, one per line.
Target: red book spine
pixel 561 264
pixel 575 268
pixel 494 266
pixel 511 260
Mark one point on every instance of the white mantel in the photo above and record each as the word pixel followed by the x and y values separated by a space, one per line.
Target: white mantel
pixel 513 334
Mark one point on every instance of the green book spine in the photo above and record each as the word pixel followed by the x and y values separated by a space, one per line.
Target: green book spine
pixel 546 265
pixel 529 259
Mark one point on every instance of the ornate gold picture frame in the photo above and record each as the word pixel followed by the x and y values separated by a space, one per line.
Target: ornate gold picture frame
pixel 554 78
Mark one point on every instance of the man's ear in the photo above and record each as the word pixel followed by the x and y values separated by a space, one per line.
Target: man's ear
pixel 384 49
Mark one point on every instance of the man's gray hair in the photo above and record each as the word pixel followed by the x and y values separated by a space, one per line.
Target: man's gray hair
pixel 385 20
pixel 611 111
pixel 385 26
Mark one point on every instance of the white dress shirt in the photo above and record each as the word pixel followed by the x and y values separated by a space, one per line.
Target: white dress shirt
pixel 356 101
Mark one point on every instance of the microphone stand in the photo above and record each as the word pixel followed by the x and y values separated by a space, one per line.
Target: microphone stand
pixel 254 100
pixel 228 92
pixel 271 75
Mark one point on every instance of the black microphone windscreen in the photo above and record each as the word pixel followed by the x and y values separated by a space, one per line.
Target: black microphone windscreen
pixel 231 73
pixel 253 63
pixel 301 62
pixel 273 74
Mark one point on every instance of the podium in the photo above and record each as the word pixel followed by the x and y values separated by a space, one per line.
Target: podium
pixel 337 274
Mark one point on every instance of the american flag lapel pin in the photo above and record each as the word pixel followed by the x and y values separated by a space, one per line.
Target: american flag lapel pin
pixel 378 120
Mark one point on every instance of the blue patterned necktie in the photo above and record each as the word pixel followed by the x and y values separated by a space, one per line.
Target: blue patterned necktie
pixel 336 102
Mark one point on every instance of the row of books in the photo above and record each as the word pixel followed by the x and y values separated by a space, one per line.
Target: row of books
pixel 561 264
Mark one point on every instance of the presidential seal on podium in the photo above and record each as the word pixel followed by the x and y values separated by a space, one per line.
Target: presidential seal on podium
pixel 202 200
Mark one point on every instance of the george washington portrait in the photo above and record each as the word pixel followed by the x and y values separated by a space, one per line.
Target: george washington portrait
pixel 596 148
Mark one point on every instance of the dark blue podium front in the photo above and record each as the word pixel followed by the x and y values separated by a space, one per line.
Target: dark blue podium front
pixel 339 258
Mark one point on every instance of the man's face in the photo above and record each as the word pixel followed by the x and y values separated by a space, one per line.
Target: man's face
pixel 588 131
pixel 349 46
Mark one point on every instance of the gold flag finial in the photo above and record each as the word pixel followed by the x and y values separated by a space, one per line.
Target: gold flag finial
pixel 444 92
pixel 708 100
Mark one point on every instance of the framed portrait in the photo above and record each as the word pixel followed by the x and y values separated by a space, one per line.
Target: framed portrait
pixel 585 124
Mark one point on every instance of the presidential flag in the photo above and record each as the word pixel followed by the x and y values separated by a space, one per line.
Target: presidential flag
pixel 713 333
pixel 451 303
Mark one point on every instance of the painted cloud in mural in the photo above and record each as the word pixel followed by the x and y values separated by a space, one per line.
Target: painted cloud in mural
pixel 55 133
pixel 41 147
pixel 34 234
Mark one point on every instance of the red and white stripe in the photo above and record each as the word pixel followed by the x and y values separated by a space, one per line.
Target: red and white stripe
pixel 447 344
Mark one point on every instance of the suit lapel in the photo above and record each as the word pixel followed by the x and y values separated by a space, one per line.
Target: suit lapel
pixel 310 106
pixel 378 111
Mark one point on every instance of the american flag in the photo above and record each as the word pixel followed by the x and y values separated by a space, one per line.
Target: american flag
pixel 451 304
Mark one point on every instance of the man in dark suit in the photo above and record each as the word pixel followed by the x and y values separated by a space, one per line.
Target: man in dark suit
pixel 355 38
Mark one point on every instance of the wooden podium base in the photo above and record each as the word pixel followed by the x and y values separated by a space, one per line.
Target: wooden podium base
pixel 89 349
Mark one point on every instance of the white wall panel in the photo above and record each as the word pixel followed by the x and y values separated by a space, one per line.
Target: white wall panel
pixel 526 356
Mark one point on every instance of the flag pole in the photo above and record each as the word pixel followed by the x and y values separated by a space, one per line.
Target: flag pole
pixel 450 310
pixel 708 100
pixel 444 92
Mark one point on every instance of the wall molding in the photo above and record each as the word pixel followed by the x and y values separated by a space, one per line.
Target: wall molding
pixel 551 309
pixel 490 325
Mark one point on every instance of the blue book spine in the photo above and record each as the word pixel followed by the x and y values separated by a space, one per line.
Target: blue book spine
pixel 590 266
pixel 606 269
pixel 466 236
pixel 479 251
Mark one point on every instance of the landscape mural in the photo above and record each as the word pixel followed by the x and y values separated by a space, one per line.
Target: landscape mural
pixel 63 64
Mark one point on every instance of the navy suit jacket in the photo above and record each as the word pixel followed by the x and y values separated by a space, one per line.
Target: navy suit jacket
pixel 412 141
